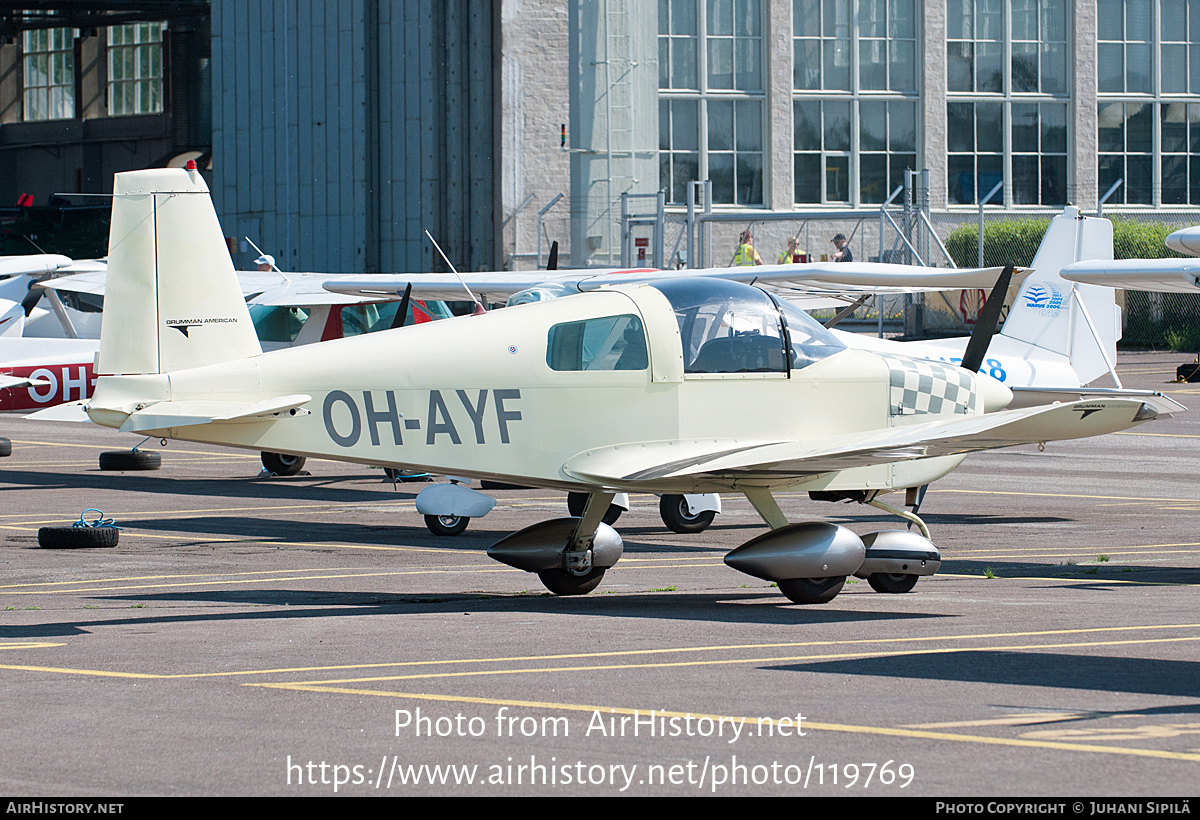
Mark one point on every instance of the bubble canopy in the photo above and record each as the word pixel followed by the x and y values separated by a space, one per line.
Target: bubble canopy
pixel 729 327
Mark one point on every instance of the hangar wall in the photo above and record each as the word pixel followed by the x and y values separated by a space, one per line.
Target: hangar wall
pixel 341 131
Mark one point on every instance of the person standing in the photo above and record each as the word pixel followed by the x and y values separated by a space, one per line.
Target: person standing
pixel 791 253
pixel 843 249
pixel 746 255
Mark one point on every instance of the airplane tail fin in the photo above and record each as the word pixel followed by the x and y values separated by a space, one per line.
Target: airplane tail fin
pixel 1082 322
pixel 172 299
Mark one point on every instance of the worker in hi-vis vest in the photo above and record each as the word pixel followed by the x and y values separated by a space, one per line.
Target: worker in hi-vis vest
pixel 791 253
pixel 746 255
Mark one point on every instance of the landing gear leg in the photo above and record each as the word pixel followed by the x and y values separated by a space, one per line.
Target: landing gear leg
pixel 579 577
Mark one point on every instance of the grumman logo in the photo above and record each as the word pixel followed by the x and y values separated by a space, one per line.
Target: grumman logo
pixel 182 325
pixel 1043 296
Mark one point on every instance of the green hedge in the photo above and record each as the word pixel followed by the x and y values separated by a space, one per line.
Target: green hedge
pixel 1017 240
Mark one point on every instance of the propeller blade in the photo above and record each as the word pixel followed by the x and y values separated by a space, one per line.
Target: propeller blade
pixel 402 314
pixel 985 327
pixel 552 262
pixel 31 299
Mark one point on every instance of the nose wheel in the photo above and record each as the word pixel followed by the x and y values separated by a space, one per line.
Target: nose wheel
pixel 565 582
pixel 812 590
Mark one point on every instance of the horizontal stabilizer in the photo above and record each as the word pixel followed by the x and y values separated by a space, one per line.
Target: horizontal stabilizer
pixel 23 381
pixel 1159 275
pixel 165 414
pixel 71 411
pixel 780 462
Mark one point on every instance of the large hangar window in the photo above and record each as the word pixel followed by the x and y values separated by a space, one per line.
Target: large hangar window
pixel 135 69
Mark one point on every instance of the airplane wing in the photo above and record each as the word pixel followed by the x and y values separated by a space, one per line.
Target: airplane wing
pixel 813 279
pixel 777 462
pixel 34 264
pixel 259 287
pixel 1161 275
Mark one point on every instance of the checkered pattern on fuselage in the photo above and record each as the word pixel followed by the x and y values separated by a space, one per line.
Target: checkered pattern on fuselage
pixel 920 386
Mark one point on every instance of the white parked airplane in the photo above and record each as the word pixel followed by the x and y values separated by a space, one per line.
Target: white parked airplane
pixel 674 386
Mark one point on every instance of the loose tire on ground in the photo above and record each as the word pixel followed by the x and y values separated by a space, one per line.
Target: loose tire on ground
pixel 812 590
pixel 446 524
pixel 678 518
pixel 283 464
pixel 562 582
pixel 130 460
pixel 895 584
pixel 577 501
pixel 5 447
pixel 73 538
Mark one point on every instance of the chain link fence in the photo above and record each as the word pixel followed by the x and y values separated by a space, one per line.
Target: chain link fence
pixel 1149 319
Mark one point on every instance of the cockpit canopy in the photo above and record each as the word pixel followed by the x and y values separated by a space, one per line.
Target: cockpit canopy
pixel 728 327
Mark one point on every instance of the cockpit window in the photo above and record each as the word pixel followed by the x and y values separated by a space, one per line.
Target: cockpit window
pixel 611 343
pixel 726 327
pixel 811 342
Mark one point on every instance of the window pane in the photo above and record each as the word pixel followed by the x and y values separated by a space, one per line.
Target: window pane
pixel 901 23
pixel 1111 124
pixel 960 126
pixel 1054 180
pixel 1138 56
pixel 807 121
pixel 749 64
pixel 1174 179
pixel 837 126
pixel 960 66
pixel 872 177
pixel 1111 59
pixel 749 125
pixel 720 63
pixel 806 18
pixel 1025 180
pixel 1140 134
pixel 872 64
pixel 1054 68
pixel 837 64
pixel 720 125
pixel 837 179
pixel 902 126
pixel 808 178
pixel 989 127
pixel 806 71
pixel 1024 67
pixel 685 168
pixel 720 171
pixel 685 127
pixel 1174 69
pixel 1024 130
pixel 903 65
pixel 989 67
pixel 684 70
pixel 683 17
pixel 961 179
pixel 872 126
pixel 749 179
pixel 1054 128
pixel 1174 128
pixel 720 17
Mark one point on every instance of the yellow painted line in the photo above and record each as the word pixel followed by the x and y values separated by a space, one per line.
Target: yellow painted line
pixel 117 446
pixel 1062 495
pixel 90 590
pixel 169 577
pixel 42 645
pixel 660 651
pixel 743 661
pixel 129 514
pixel 1030 719
pixel 808 724
pixel 1159 435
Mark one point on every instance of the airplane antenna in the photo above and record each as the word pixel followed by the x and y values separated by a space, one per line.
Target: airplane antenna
pixel 260 253
pixel 552 262
pixel 402 314
pixel 479 308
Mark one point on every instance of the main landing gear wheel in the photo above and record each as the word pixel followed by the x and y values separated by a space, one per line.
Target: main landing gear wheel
pixel 678 518
pixel 565 582
pixel 577 501
pixel 283 464
pixel 129 460
pixel 446 524
pixel 891 582
pixel 5 447
pixel 812 590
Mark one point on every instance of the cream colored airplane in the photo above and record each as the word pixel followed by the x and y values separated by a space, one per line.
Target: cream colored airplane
pixel 674 386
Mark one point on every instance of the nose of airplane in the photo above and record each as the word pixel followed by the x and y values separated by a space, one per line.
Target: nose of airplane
pixel 993 392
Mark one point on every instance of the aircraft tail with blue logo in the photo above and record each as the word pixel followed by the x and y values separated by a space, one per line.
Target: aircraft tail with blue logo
pixel 1082 322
